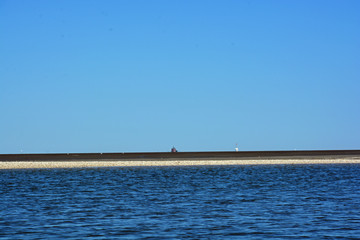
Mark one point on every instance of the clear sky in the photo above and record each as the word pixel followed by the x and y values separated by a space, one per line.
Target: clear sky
pixel 132 76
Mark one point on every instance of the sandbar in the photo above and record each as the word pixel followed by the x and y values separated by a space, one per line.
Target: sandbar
pixel 169 162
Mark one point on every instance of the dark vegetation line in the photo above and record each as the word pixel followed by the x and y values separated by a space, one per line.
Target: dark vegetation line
pixel 140 156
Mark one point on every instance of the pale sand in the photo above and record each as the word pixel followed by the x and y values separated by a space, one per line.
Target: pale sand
pixel 172 162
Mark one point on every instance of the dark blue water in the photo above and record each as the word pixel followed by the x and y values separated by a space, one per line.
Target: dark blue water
pixel 232 202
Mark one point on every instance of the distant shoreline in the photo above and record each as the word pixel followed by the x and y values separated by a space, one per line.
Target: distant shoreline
pixel 95 160
pixel 135 156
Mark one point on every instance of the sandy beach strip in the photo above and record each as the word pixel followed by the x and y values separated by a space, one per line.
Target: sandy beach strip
pixel 170 162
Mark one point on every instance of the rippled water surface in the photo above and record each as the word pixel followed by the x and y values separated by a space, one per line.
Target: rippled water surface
pixel 232 202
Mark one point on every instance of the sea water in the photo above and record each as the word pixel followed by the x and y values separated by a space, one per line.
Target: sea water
pixel 223 202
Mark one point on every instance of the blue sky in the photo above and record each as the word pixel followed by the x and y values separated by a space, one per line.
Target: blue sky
pixel 131 76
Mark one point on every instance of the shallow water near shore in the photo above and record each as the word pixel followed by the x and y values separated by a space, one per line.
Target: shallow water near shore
pixel 199 202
